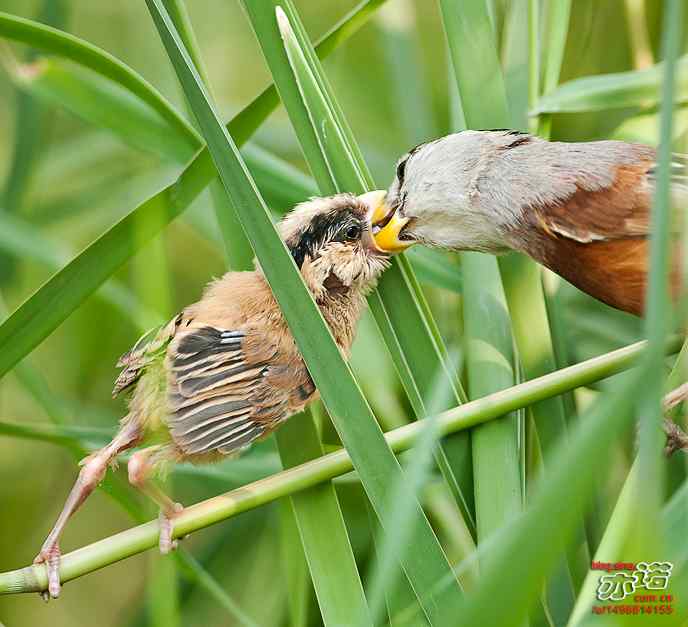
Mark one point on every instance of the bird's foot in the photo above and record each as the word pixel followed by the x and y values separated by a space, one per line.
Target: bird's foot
pixel 165 520
pixel 677 440
pixel 50 556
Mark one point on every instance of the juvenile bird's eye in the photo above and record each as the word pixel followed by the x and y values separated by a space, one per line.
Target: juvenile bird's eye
pixel 353 232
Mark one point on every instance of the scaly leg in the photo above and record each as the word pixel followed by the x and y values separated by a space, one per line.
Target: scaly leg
pixel 677 440
pixel 141 466
pixel 93 469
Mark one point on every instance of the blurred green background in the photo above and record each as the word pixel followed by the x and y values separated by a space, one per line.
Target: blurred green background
pixel 64 181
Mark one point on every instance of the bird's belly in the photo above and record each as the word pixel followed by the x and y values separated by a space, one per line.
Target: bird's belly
pixel 613 271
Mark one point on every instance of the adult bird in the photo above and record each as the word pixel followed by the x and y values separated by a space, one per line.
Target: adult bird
pixel 226 371
pixel 580 209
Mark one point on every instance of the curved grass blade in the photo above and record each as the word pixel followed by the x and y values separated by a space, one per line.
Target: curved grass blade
pixel 52 303
pixel 317 511
pixel 523 555
pixel 659 312
pixel 486 322
pixel 471 44
pixel 398 306
pixel 334 158
pixel 105 104
pixel 87 55
pixel 538 349
pixel 639 88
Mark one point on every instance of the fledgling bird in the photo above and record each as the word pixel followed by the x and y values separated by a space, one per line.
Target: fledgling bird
pixel 580 209
pixel 226 371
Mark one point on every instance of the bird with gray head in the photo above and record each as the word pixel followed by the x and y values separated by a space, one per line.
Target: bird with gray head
pixel 580 209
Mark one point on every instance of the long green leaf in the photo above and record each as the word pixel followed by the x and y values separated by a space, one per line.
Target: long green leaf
pixel 412 341
pixel 658 309
pixel 538 349
pixel 488 343
pixel 524 555
pixel 87 55
pixel 487 107
pixel 86 94
pixel 317 511
pixel 349 410
pixel 334 158
pixel 48 307
pixel 639 88
pixel 323 532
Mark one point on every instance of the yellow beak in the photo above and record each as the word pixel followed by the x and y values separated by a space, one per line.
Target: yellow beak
pixel 386 225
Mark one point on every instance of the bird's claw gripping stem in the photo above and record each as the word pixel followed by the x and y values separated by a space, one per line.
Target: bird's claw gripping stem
pixel 676 439
pixel 165 520
pixel 50 556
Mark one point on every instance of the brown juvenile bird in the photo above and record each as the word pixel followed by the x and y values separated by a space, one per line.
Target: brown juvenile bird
pixel 581 209
pixel 226 371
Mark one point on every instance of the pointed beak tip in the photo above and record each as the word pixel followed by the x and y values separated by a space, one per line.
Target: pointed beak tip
pixel 385 222
pixel 387 239
pixel 375 201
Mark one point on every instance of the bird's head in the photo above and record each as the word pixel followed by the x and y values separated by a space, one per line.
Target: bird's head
pixel 331 241
pixel 435 195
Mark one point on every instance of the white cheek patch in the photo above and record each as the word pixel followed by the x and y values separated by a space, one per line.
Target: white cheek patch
pixel 352 265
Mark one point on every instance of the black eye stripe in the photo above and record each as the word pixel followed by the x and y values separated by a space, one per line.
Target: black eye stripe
pixel 323 228
pixel 401 170
pixel 401 167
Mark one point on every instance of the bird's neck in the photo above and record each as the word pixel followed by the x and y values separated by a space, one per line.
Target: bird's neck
pixel 341 310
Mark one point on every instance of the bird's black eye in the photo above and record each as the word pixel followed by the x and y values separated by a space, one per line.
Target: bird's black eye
pixel 353 232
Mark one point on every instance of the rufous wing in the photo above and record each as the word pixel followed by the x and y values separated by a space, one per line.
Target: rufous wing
pixel 598 240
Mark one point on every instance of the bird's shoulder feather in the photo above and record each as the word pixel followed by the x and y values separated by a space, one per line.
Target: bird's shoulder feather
pixel 228 387
pixel 148 348
pixel 596 236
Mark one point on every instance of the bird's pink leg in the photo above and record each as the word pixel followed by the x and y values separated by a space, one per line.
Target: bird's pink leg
pixel 93 469
pixel 141 466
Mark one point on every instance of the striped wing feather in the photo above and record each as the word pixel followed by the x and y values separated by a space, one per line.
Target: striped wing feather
pixel 218 392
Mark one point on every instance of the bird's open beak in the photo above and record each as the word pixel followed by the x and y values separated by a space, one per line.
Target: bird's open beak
pixel 385 224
